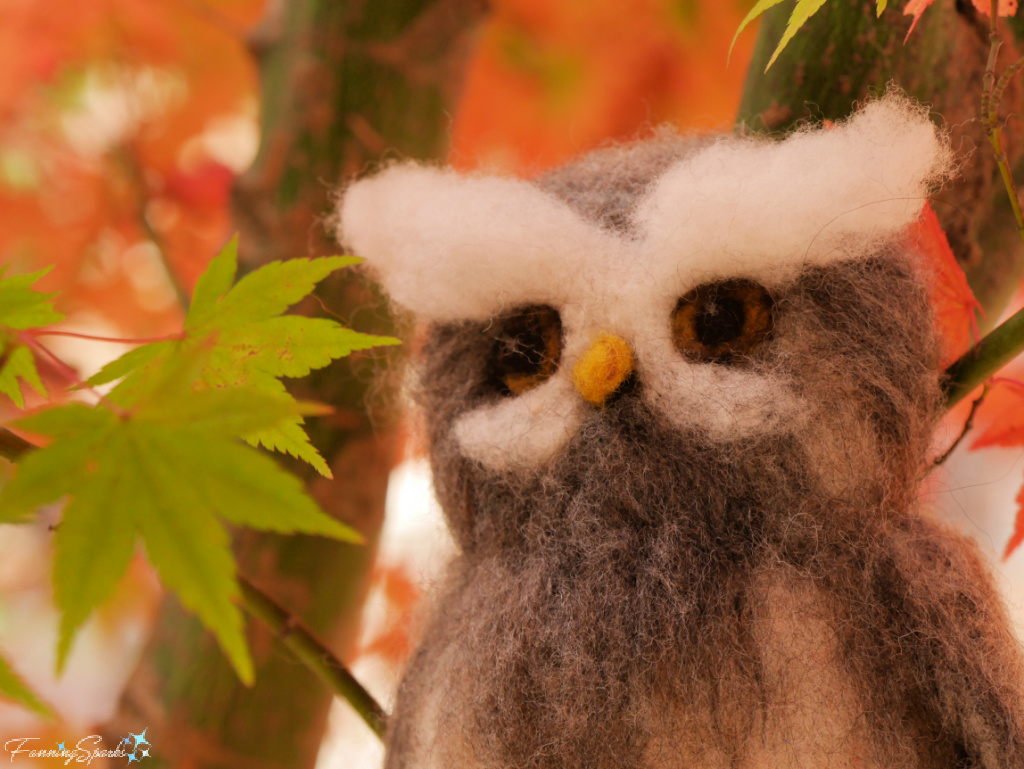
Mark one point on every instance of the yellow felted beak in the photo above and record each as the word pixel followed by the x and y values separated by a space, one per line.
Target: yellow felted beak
pixel 603 367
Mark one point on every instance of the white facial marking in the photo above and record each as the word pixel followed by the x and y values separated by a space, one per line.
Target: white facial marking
pixel 522 431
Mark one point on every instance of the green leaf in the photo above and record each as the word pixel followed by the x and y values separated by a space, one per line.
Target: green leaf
pixel 213 284
pixel 275 287
pixel 880 6
pixel 254 345
pixel 130 361
pixel 292 345
pixel 244 341
pixel 757 10
pixel 93 545
pixel 169 469
pixel 46 475
pixel 20 364
pixel 247 488
pixel 290 438
pixel 226 413
pixel 803 10
pixel 21 307
pixel 68 421
pixel 12 687
pixel 187 546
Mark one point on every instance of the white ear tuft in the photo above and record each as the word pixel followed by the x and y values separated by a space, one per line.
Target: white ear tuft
pixel 451 247
pixel 767 208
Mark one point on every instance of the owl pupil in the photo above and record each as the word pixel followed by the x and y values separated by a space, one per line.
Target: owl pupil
pixel 723 323
pixel 721 320
pixel 527 348
pixel 523 352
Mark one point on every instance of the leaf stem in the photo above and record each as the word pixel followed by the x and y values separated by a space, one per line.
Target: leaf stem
pixel 313 655
pixel 122 340
pixel 69 374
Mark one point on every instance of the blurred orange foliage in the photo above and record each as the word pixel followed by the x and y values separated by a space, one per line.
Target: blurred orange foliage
pixel 106 169
pixel 553 79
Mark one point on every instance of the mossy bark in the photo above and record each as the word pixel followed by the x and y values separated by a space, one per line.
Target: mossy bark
pixel 343 83
pixel 844 54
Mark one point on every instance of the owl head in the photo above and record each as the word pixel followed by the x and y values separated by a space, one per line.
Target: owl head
pixel 668 318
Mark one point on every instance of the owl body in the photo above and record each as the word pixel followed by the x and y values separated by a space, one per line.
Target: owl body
pixel 678 441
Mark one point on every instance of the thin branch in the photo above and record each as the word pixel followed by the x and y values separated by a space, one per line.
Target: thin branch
pixel 1006 341
pixel 128 155
pixel 991 96
pixel 998 348
pixel 968 424
pixel 314 655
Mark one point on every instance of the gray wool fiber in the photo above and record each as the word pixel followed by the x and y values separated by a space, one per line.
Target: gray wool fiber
pixel 658 594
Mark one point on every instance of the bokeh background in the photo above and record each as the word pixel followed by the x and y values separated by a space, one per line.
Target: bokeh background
pixel 124 125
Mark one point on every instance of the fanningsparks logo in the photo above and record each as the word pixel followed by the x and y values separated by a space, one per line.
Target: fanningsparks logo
pixel 134 747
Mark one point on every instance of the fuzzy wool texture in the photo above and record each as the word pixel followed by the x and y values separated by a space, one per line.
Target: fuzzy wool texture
pixel 725 565
pixel 615 256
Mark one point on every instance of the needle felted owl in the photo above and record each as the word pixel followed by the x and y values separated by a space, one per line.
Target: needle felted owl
pixel 678 397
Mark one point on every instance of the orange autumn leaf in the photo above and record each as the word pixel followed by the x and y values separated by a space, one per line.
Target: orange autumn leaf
pixel 1018 527
pixel 395 639
pixel 916 7
pixel 952 299
pixel 1001 417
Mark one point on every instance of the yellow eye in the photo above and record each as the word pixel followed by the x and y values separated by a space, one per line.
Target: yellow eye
pixel 723 322
pixel 527 348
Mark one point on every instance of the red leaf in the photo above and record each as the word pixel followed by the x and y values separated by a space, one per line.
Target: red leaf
pixel 1018 527
pixel 1002 414
pixel 208 186
pixel 916 7
pixel 952 299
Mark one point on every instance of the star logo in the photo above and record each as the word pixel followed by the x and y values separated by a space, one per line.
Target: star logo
pixel 133 746
pixel 140 739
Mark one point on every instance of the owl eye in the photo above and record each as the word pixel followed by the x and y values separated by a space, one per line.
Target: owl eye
pixel 527 348
pixel 723 322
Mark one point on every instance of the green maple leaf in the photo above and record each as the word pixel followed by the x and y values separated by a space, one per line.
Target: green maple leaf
pixel 802 11
pixel 253 344
pixel 13 688
pixel 22 308
pixel 165 467
pixel 19 364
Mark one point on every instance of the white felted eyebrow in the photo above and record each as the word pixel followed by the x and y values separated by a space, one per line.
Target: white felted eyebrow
pixel 454 247
pixel 765 209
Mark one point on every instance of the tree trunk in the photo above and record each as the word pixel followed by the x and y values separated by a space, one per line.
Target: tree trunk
pixel 844 53
pixel 343 82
